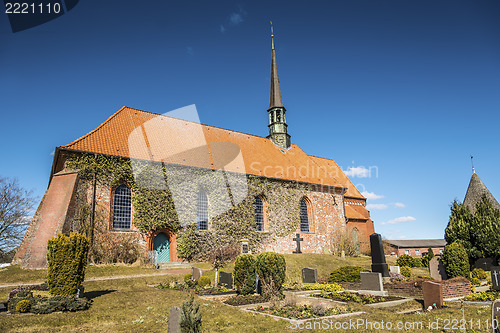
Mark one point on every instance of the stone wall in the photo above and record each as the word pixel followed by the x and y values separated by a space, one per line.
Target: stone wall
pixel 457 287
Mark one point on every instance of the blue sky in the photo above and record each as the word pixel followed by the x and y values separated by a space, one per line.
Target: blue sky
pixel 399 93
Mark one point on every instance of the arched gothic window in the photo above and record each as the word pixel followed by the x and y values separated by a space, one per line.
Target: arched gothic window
pixel 259 213
pixel 122 207
pixel 304 216
pixel 202 211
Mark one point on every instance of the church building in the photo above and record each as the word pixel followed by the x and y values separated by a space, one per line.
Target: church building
pixel 154 180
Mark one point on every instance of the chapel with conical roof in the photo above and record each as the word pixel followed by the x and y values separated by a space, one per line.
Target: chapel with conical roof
pixel 146 182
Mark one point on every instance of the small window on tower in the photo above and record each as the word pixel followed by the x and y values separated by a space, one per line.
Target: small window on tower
pixel 279 116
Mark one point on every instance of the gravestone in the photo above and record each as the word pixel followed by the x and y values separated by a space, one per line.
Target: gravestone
pixel 226 279
pixel 371 281
pixel 495 316
pixel 258 284
pixel 495 277
pixel 342 254
pixel 436 269
pixel 174 320
pixel 244 246
pixel 309 275
pixel 433 294
pixel 378 256
pixel 395 269
pixel 196 273
pixel 298 239
pixel 484 263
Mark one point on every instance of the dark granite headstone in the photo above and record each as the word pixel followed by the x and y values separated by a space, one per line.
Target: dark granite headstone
pixel 309 275
pixel 484 263
pixel 437 270
pixel 258 284
pixel 196 273
pixel 433 295
pixel 378 256
pixel 495 316
pixel 226 279
pixel 174 320
pixel 495 278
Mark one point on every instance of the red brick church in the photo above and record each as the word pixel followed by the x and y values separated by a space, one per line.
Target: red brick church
pixel 321 200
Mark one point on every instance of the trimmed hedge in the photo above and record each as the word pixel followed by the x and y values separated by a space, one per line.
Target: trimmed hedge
pixel 406 271
pixel 244 274
pixel 456 261
pixel 271 268
pixel 346 274
pixel 406 260
pixel 204 281
pixel 67 259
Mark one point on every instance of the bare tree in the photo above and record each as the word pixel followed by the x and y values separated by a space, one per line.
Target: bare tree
pixel 15 205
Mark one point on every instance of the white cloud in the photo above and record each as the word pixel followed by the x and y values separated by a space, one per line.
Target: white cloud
pixel 402 219
pixel 399 205
pixel 376 206
pixel 235 18
pixel 360 172
pixel 52 153
pixel 222 28
pixel 371 195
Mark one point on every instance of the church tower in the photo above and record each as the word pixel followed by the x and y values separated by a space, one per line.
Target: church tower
pixel 277 119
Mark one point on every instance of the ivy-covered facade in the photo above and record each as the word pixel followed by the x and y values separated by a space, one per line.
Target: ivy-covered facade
pixel 147 184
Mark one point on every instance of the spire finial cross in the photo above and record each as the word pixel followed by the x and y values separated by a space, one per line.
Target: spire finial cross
pixel 472 162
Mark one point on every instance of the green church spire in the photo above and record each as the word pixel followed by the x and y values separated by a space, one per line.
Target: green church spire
pixel 277 119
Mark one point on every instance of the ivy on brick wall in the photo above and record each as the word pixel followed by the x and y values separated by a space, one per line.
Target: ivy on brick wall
pixel 164 196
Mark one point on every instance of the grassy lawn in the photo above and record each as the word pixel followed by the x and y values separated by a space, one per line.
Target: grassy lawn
pixel 130 305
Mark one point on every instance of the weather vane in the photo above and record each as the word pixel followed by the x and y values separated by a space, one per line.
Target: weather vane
pixel 272 30
pixel 472 162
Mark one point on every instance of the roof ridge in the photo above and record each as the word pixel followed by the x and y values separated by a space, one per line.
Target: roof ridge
pixel 98 127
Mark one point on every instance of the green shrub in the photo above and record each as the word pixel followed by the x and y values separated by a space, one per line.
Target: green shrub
pixel 479 274
pixel 23 306
pixel 244 274
pixel 417 262
pixel 271 268
pixel 190 319
pixel 456 261
pixel 406 271
pixel 475 281
pixel 346 274
pixel 188 277
pixel 425 260
pixel 67 259
pixel 430 253
pixel 405 260
pixel 44 305
pixel 204 281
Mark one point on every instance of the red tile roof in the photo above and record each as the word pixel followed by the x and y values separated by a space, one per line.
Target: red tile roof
pixel 144 135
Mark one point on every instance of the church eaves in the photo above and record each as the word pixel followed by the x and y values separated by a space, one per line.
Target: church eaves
pixel 475 192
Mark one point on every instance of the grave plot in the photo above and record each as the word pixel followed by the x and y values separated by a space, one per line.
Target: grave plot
pixel 365 299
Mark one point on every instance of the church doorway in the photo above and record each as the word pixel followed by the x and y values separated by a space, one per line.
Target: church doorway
pixel 161 245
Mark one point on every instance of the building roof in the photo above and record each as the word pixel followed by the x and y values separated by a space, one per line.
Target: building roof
pixel 356 213
pixel 138 134
pixel 417 242
pixel 475 192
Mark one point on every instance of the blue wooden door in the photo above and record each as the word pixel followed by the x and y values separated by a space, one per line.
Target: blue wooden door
pixel 162 247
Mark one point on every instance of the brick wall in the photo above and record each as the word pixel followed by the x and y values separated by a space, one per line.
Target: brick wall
pixel 456 288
